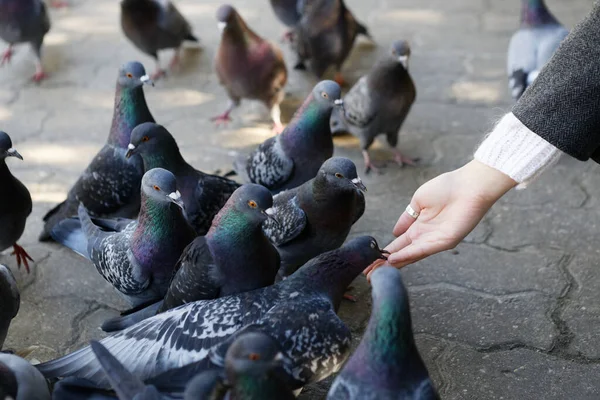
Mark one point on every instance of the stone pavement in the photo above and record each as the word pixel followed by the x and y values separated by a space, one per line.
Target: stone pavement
pixel 512 313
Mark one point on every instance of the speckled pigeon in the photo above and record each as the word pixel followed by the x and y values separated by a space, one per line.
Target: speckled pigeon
pixel 248 66
pixel 532 45
pixel 203 195
pixel 299 313
pixel 24 21
pixel 234 257
pixel 289 13
pixel 10 299
pixel 137 257
pixel 386 365
pixel 19 380
pixel 294 157
pixel 15 204
pixel 379 103
pixel 317 216
pixel 154 25
pixel 325 35
pixel 110 185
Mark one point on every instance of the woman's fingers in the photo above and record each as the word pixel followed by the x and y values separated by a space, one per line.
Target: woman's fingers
pixel 406 220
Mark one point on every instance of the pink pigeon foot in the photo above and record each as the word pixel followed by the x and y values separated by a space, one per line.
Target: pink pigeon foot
pixel 6 56
pixel 39 76
pixel 401 160
pixel 21 256
pixel 277 129
pixel 222 119
pixel 159 73
pixel 59 4
pixel 369 165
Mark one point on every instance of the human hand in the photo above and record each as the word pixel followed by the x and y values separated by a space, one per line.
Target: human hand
pixel 449 207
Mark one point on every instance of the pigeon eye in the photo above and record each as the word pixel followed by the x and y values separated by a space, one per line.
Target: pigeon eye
pixel 145 139
pixel 252 204
pixel 156 188
pixel 254 357
pixel 129 75
pixel 338 175
pixel 325 95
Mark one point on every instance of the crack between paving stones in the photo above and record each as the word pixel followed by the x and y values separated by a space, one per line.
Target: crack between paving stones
pixel 76 324
pixel 462 289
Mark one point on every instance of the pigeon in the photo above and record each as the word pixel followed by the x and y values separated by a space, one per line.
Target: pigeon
pixel 299 313
pixel 234 257
pixel 137 257
pixel 15 204
pixel 203 195
pixel 379 103
pixel 317 216
pixel 253 367
pixel 325 35
pixel 154 25
pixel 386 365
pixel 532 46
pixel 288 160
pixel 110 185
pixel 289 12
pixel 24 21
pixel 10 300
pixel 19 380
pixel 248 66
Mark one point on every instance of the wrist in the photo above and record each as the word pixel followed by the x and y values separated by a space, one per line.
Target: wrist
pixel 487 182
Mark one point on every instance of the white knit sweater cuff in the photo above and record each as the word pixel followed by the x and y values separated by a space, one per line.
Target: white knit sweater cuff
pixel 516 151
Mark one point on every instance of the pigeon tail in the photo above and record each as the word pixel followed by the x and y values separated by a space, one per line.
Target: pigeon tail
pixel 362 30
pixel 190 37
pixel 124 322
pixel 517 83
pixel 69 233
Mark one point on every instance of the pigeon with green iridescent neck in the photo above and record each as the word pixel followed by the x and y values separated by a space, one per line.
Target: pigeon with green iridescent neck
pixel 15 204
pixel 137 257
pixel 234 257
pixel 317 216
pixel 295 156
pixel 203 195
pixel 110 185
pixel 299 313
pixel 386 365
pixel 532 46
pixel 248 66
pixel 10 298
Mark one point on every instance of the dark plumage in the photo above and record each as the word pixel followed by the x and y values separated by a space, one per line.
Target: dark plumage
pixel 19 380
pixel 325 35
pixel 24 21
pixel 386 365
pixel 234 257
pixel 203 195
pixel 10 299
pixel 294 157
pixel 288 11
pixel 299 313
pixel 15 204
pixel 248 66
pixel 137 257
pixel 110 185
pixel 379 103
pixel 317 216
pixel 154 25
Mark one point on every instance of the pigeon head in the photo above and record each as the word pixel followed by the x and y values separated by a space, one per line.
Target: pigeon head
pixel 340 172
pixel 156 146
pixel 133 75
pixel 253 352
pixel 364 249
pixel 9 386
pixel 400 51
pixel 327 94
pixel 227 17
pixel 161 185
pixel 251 200
pixel 6 149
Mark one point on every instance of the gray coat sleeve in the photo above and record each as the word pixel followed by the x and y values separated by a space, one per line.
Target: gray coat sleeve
pixel 563 103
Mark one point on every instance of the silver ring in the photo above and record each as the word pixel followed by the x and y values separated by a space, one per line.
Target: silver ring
pixel 410 211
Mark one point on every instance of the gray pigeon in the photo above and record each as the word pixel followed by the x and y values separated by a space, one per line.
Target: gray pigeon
pixel 288 12
pixel 295 156
pixel 24 21
pixel 379 103
pixel 317 216
pixel 532 46
pixel 248 66
pixel 299 313
pixel 386 365
pixel 19 380
pixel 234 257
pixel 203 195
pixel 14 208
pixel 10 300
pixel 110 185
pixel 137 257
pixel 325 35
pixel 154 25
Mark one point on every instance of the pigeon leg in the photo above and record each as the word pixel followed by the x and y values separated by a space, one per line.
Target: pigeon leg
pixel 339 79
pixel 401 160
pixel 176 60
pixel 369 166
pixel 59 4
pixel 21 256
pixel 276 116
pixel 6 56
pixel 288 37
pixel 39 75
pixel 224 118
pixel 159 72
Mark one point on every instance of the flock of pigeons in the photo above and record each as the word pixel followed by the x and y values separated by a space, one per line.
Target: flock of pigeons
pixel 234 287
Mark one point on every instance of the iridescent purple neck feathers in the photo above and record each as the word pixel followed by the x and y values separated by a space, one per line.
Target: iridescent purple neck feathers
pixel 535 13
pixel 130 111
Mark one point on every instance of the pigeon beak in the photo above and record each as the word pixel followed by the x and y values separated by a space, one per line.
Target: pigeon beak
pixel 176 198
pixel 278 360
pixel 384 254
pixel 404 61
pixel 222 26
pixel 269 213
pixel 130 150
pixel 13 153
pixel 339 102
pixel 146 80
pixel 359 185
